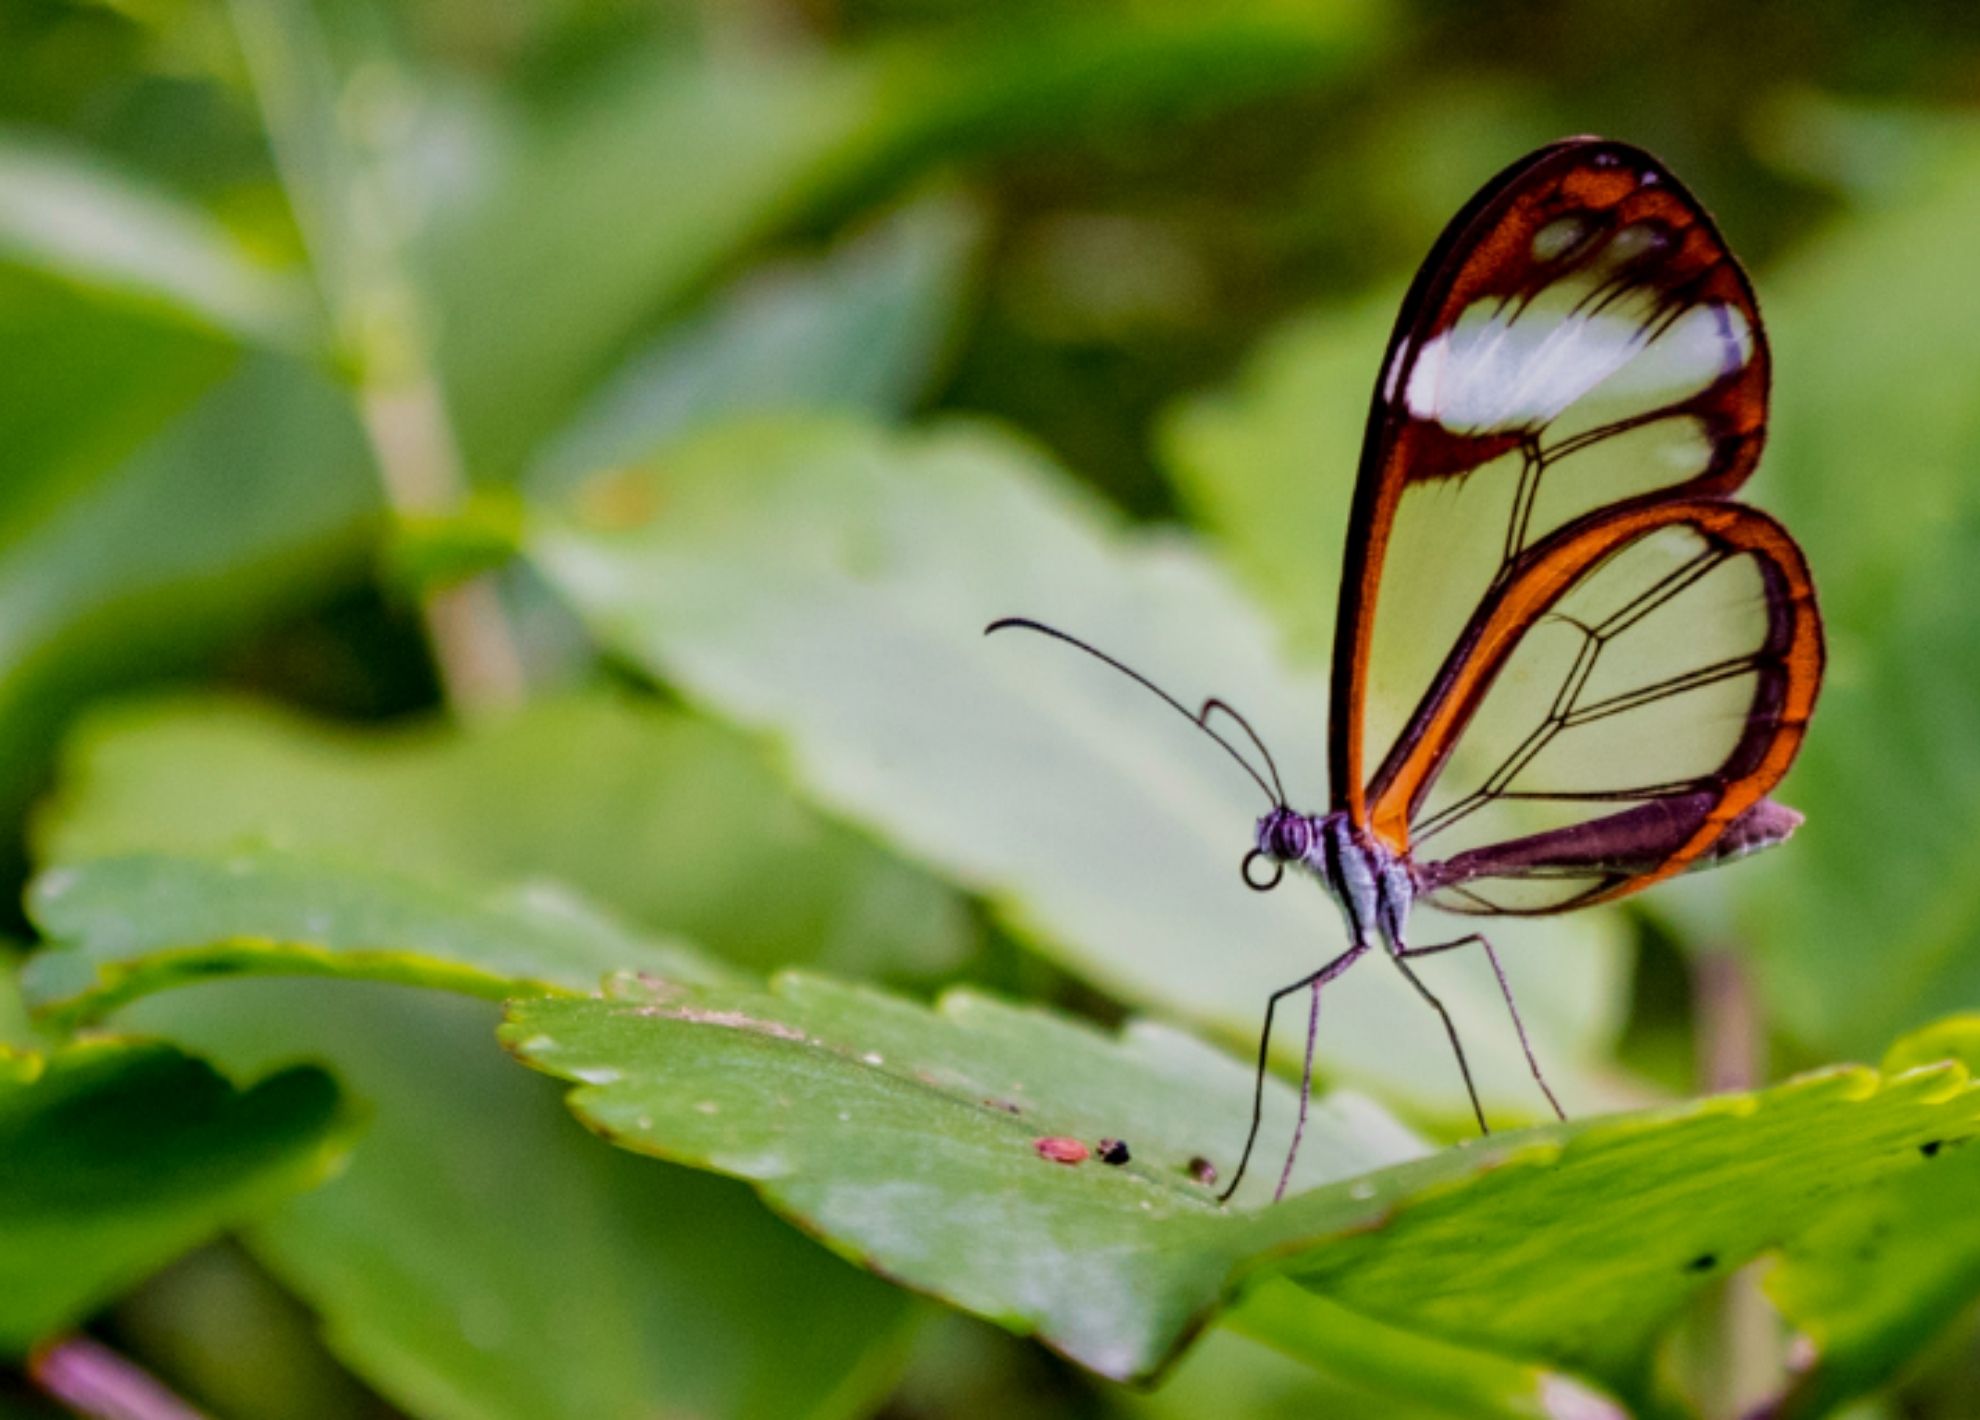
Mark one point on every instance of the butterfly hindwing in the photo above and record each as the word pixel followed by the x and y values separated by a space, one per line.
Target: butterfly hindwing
pixel 1632 691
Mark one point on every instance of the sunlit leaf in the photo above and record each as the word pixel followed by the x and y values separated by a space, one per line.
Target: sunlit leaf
pixel 887 1128
pixel 829 586
pixel 1871 1285
pixel 116 1156
pixel 909 1138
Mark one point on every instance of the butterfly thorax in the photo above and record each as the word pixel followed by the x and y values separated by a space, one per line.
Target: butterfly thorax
pixel 1370 883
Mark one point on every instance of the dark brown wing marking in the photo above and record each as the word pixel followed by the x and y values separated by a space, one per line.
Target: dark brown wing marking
pixel 1601 859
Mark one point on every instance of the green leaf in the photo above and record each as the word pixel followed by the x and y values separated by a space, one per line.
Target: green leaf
pixel 1871 925
pixel 1389 1361
pixel 18 1037
pixel 907 1139
pixel 231 516
pixel 1267 466
pixel 103 380
pixel 126 927
pixel 117 1155
pixel 138 530
pixel 861 329
pixel 885 1128
pixel 829 585
pixel 1871 1285
pixel 674 165
pixel 1227 1373
pixel 482 1258
pixel 1580 1252
pixel 67 213
pixel 666 819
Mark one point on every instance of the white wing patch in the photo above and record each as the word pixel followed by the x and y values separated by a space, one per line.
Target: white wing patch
pixel 1513 366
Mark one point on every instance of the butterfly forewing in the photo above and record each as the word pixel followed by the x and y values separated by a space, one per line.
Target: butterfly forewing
pixel 1579 339
pixel 1566 666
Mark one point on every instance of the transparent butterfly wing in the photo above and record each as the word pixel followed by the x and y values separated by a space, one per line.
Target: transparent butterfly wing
pixel 1580 344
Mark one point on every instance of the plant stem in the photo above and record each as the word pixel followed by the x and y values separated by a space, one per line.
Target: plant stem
pixel 95 1382
pixel 1731 1043
pixel 350 226
pixel 479 665
pixel 1727 1012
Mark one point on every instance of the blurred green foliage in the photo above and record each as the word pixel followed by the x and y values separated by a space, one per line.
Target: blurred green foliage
pixel 117 1155
pixel 788 342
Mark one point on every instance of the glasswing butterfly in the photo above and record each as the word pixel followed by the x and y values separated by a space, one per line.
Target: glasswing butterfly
pixel 1566 664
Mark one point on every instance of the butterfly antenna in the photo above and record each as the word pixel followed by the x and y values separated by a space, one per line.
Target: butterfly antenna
pixel 1278 790
pixel 1200 720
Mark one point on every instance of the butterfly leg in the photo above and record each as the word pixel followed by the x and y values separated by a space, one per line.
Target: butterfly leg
pixel 1305 1094
pixel 1313 983
pixel 1396 955
pixel 1505 989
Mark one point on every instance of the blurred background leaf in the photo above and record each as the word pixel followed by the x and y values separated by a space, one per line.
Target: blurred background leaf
pixel 864 328
pixel 1872 925
pixel 1268 467
pixel 65 214
pixel 1888 1273
pixel 596 791
pixel 263 488
pixel 483 1257
pixel 117 1155
pixel 685 160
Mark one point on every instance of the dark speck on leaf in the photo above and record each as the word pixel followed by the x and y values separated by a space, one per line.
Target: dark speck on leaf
pixel 1931 1147
pixel 1113 1151
pixel 1007 1106
pixel 1059 1149
pixel 1202 1170
pixel 1704 1262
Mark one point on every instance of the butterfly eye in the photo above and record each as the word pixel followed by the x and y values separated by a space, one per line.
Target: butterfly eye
pixel 1290 839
